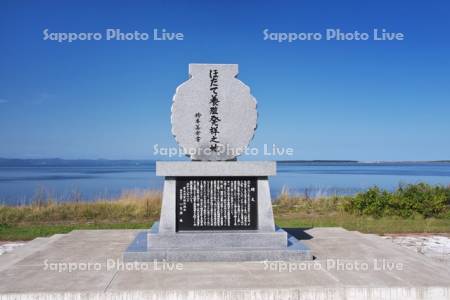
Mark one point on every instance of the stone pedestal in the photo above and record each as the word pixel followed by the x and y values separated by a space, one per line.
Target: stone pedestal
pixel 215 208
pixel 216 211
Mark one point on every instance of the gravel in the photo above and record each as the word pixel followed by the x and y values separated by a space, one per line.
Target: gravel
pixel 9 246
pixel 434 246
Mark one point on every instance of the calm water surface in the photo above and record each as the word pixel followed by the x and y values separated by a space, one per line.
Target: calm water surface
pixel 19 185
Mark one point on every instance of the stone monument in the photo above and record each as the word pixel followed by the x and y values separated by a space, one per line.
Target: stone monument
pixel 215 208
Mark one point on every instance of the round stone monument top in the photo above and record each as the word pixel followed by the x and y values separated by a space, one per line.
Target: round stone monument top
pixel 213 113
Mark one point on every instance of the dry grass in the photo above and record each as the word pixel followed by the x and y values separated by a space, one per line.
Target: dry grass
pixel 139 209
pixel 131 206
pixel 306 212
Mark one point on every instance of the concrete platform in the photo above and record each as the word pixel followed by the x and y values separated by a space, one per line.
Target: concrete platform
pixel 212 239
pixel 209 246
pixel 348 265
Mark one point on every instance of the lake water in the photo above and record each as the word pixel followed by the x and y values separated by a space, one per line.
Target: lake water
pixel 19 185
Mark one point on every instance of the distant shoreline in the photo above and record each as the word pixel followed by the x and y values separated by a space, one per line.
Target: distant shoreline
pixel 366 162
pixel 55 162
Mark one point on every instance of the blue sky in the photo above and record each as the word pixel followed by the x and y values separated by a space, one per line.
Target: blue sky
pixel 363 100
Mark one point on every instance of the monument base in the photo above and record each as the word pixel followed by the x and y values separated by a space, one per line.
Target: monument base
pixel 216 211
pixel 265 249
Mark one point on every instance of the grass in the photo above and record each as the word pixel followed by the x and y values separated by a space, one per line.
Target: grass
pixel 134 210
pixel 383 225
pixel 295 211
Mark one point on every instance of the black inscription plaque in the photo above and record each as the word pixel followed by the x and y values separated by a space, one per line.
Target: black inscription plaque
pixel 216 203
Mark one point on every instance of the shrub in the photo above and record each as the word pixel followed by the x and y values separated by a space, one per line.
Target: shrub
pixel 373 202
pixel 413 199
pixel 422 198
